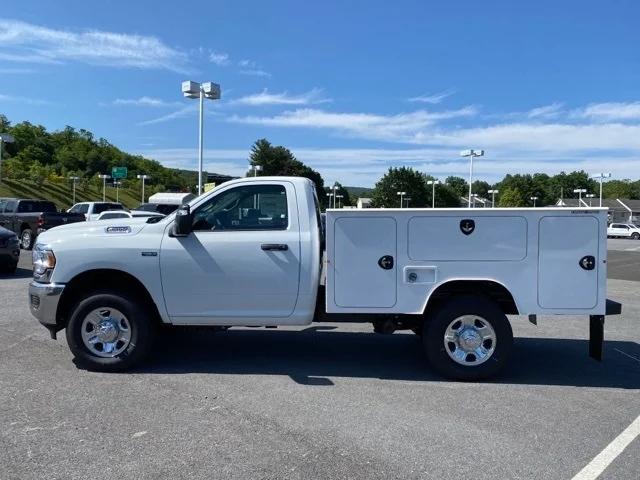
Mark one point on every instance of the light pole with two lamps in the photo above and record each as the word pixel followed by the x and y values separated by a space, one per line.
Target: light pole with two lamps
pixel 104 185
pixel 201 90
pixel 590 197
pixel 579 191
pixel 533 199
pixel 493 197
pixel 601 176
pixel 74 180
pixel 142 178
pixel 471 154
pixel 402 194
pixel 255 169
pixel 433 184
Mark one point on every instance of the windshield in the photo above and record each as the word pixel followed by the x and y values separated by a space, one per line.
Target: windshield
pixel 103 207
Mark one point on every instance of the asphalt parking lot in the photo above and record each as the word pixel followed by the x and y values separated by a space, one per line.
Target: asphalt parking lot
pixel 332 401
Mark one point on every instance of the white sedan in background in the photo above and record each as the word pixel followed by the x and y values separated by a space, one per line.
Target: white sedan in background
pixel 626 230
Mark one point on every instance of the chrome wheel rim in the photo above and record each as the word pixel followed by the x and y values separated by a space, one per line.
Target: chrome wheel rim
pixel 470 340
pixel 26 239
pixel 106 332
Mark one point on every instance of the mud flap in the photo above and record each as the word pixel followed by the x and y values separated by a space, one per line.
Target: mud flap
pixel 596 336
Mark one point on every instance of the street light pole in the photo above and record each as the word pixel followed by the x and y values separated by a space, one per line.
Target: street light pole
pixel 4 138
pixel 330 195
pixel 471 154
pixel 142 178
pixel 407 199
pixel 74 179
pixel 493 197
pixel 601 176
pixel 590 196
pixel 339 197
pixel 433 184
pixel 256 169
pixel 579 191
pixel 197 90
pixel 402 194
pixel 104 185
pixel 116 184
pixel 534 201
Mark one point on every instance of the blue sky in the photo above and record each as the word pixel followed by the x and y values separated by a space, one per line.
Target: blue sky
pixel 351 87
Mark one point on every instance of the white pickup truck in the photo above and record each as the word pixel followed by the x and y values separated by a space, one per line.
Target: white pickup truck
pixel 252 253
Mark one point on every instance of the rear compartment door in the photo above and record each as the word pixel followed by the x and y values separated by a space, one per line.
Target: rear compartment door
pixel 564 245
pixel 365 262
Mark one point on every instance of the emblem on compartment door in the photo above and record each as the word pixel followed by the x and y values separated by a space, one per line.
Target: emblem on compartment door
pixel 467 226
pixel 386 262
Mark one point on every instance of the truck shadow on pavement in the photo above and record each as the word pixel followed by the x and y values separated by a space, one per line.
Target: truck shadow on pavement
pixel 316 355
pixel 19 273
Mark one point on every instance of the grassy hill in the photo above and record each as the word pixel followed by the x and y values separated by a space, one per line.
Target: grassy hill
pixel 358 192
pixel 62 195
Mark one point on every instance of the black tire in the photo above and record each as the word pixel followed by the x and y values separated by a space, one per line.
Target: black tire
pixel 142 324
pixel 436 325
pixel 635 236
pixel 26 239
pixel 9 268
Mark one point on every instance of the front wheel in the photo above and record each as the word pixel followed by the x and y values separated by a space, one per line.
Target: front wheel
pixel 635 236
pixel 26 239
pixel 109 332
pixel 468 338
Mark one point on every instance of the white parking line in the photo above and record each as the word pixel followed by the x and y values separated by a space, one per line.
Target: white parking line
pixel 627 355
pixel 609 454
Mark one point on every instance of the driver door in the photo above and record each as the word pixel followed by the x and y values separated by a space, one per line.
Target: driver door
pixel 241 262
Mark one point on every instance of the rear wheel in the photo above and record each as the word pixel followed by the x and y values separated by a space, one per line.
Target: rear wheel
pixel 109 332
pixel 26 239
pixel 468 338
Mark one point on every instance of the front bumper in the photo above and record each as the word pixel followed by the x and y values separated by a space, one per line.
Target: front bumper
pixel 43 301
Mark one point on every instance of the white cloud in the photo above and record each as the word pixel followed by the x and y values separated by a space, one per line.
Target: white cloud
pixel 249 67
pixel 144 102
pixel 25 42
pixel 433 98
pixel 610 111
pixel 363 167
pixel 401 127
pixel 220 59
pixel 547 111
pixel 24 100
pixel 186 111
pixel 313 96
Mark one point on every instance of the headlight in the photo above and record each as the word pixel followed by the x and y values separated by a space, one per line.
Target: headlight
pixel 44 261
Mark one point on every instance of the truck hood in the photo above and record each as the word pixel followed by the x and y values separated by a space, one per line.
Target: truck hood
pixel 102 228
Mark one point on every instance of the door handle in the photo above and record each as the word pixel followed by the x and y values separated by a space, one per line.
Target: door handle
pixel 280 247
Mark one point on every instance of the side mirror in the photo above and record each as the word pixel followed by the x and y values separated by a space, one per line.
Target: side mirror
pixel 182 222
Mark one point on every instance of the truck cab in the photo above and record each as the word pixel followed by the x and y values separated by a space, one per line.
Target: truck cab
pixel 252 253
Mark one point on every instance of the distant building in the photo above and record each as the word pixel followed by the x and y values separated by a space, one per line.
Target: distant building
pixel 364 202
pixel 476 202
pixel 218 178
pixel 620 209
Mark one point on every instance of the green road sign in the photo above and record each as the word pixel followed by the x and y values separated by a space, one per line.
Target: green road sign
pixel 119 172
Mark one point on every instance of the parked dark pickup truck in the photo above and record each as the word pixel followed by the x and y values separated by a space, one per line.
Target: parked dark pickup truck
pixel 29 218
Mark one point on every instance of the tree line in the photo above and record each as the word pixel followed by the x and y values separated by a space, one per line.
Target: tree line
pixel 38 155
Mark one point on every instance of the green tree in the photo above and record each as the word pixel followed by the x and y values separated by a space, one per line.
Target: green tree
pixel 459 185
pixel 278 160
pixel 402 179
pixel 511 197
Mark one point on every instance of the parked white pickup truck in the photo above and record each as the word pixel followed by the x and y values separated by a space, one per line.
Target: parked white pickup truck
pixel 250 253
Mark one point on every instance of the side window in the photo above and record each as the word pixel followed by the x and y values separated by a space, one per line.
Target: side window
pixel 10 207
pixel 83 208
pixel 249 207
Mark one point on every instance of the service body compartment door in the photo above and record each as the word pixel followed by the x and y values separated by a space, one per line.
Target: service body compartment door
pixel 364 262
pixel 567 279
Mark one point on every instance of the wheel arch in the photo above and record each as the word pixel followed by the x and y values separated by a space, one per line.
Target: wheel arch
pixel 490 288
pixel 102 280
